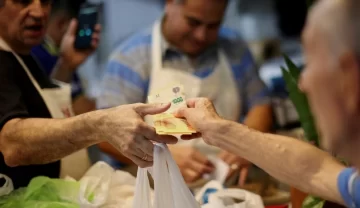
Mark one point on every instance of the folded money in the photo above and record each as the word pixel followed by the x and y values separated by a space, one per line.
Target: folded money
pixel 166 123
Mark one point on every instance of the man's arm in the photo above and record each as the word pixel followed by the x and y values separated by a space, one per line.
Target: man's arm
pixel 292 161
pixel 260 118
pixel 40 141
pixel 257 96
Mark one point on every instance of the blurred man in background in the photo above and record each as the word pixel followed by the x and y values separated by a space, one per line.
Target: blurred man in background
pixel 188 46
pixel 48 52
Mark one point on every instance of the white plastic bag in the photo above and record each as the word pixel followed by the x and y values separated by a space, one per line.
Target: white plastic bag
pixel 95 185
pixel 228 198
pixel 170 188
pixel 8 186
pixel 122 190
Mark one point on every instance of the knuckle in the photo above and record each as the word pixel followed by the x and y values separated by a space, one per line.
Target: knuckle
pixel 137 106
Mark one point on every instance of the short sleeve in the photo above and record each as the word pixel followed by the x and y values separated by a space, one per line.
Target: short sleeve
pixel 11 101
pixel 349 187
pixel 125 81
pixel 253 90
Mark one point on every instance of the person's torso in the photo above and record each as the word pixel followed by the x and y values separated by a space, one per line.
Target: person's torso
pixel 36 109
pixel 138 49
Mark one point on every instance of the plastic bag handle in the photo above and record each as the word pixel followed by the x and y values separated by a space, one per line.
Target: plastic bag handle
pixel 8 187
pixel 170 188
pixel 142 197
pixel 179 186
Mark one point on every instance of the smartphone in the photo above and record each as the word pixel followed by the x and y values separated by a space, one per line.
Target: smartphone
pixel 87 19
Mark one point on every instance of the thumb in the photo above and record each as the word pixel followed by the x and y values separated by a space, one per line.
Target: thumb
pixel 152 109
pixel 72 27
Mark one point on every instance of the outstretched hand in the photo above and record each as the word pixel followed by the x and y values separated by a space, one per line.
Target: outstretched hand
pixel 125 129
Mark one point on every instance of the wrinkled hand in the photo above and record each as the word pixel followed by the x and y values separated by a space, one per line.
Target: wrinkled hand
pixel 125 129
pixel 236 163
pixel 192 164
pixel 199 114
pixel 73 57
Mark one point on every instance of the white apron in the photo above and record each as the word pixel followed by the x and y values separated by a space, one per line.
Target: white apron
pixel 58 102
pixel 219 86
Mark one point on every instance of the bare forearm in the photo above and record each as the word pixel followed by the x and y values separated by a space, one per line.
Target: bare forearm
pixel 40 141
pixel 292 161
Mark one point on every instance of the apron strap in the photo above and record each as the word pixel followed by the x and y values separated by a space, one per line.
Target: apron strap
pixel 6 47
pixel 156 49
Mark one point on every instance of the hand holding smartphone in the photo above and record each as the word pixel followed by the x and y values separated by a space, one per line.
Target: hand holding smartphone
pixel 87 19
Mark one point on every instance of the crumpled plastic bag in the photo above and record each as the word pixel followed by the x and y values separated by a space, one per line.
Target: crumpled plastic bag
pixel 100 187
pixel 8 186
pixel 214 195
pixel 170 188
pixel 122 191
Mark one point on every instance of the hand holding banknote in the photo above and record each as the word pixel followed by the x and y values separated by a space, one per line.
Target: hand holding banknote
pixel 199 113
pixel 126 130
pixel 166 123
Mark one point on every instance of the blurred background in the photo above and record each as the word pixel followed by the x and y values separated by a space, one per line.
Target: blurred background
pixel 270 27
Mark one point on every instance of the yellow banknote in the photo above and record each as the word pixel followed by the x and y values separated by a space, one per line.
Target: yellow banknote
pixel 166 123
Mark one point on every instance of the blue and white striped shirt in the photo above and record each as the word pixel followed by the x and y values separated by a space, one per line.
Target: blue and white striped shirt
pixel 126 79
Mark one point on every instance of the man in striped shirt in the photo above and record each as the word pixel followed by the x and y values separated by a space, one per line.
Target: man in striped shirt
pixel 189 46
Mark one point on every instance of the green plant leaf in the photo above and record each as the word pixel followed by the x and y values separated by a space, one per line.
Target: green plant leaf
pixel 293 69
pixel 313 202
pixel 299 99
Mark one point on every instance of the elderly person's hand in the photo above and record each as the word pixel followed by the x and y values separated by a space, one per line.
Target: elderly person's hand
pixel 124 128
pixel 236 163
pixel 69 55
pixel 200 113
